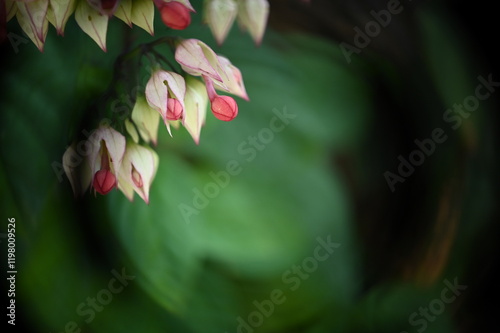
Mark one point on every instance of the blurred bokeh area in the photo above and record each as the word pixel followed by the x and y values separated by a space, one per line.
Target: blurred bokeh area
pixel 357 190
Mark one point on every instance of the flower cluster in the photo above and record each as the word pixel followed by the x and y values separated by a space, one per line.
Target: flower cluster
pixel 180 100
pixel 112 161
pixel 118 154
pixel 115 161
pixel 93 16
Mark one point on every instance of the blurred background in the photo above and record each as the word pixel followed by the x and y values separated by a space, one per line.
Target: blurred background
pixel 308 236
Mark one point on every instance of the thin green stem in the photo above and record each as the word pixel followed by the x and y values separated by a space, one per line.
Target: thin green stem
pixel 165 60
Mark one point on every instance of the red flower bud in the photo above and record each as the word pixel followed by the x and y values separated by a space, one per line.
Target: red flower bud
pixel 104 181
pixel 175 15
pixel 174 109
pixel 224 108
pixel 105 7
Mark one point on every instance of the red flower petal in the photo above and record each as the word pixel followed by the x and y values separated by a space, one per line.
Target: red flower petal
pixel 104 181
pixel 175 15
pixel 174 109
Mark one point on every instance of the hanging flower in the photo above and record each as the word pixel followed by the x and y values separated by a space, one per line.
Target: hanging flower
pixel 108 149
pixel 220 15
pixel 223 107
pixel 175 14
pixel 161 88
pixel 252 16
pixel 196 103
pixel 198 59
pixel 138 170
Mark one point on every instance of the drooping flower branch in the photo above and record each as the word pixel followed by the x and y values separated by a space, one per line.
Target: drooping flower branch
pixel 178 97
pixel 92 16
pixel 118 153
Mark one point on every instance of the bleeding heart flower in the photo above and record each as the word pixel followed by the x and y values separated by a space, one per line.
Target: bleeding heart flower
pixel 196 102
pixel 196 58
pixel 142 14
pixel 32 17
pixel 138 171
pixel 175 15
pixel 220 15
pixel 108 149
pixel 223 107
pixel 124 12
pixel 146 119
pixel 160 86
pixel 232 79
pixel 252 16
pixel 59 13
pixel 92 22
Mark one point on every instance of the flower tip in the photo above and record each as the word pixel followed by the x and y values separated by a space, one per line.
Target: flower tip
pixel 224 108
pixel 220 39
pixel 41 47
pixel 167 124
pixel 258 41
